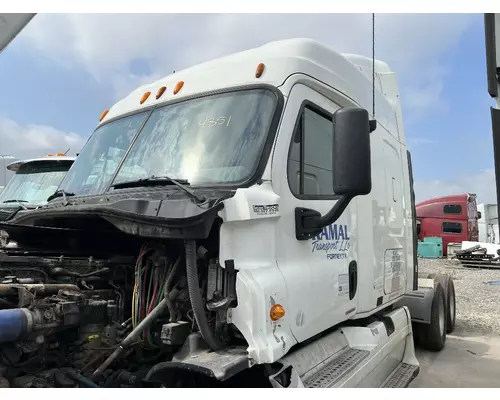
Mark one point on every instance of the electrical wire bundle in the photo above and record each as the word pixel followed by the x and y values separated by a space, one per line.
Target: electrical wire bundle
pixel 150 280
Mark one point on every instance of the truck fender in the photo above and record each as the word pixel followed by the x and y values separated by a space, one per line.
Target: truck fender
pixel 419 302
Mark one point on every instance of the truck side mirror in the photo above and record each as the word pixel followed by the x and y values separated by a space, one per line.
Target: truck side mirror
pixel 352 175
pixel 351 152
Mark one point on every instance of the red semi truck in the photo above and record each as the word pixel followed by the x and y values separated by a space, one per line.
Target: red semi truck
pixel 453 218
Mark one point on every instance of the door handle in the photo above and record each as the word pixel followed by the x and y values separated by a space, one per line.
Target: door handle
pixel 353 279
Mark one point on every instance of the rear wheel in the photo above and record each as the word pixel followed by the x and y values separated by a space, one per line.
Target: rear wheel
pixel 451 309
pixel 449 291
pixel 432 336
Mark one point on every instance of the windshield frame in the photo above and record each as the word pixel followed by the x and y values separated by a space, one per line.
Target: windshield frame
pixel 260 163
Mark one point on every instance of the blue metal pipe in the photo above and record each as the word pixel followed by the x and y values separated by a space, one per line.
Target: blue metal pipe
pixel 14 324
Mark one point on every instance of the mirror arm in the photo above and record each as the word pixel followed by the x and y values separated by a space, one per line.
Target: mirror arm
pixel 310 223
pixel 333 215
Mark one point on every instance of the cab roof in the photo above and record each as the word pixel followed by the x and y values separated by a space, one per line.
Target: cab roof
pixel 345 73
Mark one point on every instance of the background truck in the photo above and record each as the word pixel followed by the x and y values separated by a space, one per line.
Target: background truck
pixel 453 218
pixel 244 222
pixel 33 182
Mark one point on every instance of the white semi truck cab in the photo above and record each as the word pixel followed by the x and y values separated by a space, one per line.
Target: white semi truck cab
pixel 265 203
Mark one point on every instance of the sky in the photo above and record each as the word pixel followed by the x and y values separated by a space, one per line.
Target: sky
pixel 63 70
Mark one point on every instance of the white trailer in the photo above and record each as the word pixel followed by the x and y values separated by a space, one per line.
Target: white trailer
pixel 488 223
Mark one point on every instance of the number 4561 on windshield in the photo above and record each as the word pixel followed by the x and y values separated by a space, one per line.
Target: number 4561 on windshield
pixel 211 122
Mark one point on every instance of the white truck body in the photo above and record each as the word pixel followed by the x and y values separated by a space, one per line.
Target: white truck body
pixel 310 278
pixel 314 236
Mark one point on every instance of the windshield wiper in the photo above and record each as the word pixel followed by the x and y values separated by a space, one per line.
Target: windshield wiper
pixel 20 202
pixel 159 180
pixel 16 201
pixel 60 193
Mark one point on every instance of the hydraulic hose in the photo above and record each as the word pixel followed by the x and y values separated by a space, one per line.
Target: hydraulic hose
pixel 195 297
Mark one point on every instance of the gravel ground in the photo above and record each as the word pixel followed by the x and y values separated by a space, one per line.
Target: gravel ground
pixel 477 303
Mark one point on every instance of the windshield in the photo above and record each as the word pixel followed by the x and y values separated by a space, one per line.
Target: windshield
pixel 33 184
pixel 212 139
pixel 97 162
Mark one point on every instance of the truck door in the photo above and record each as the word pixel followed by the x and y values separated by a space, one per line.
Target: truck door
pixel 320 273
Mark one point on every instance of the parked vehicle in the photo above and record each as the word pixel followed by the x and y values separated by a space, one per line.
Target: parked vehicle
pixel 453 218
pixel 488 223
pixel 33 182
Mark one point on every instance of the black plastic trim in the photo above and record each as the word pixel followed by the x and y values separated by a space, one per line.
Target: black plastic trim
pixel 414 223
pixel 134 217
pixel 492 70
pixel 495 125
pixel 389 325
pixel 353 279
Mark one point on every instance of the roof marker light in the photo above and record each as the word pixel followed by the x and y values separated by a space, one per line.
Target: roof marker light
pixel 160 92
pixel 178 87
pixel 260 70
pixel 145 97
pixel 103 115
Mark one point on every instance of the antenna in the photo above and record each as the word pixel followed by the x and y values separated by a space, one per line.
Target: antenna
pixel 373 62
pixel 66 152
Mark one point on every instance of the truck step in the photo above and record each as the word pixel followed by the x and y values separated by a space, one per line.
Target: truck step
pixel 402 376
pixel 335 370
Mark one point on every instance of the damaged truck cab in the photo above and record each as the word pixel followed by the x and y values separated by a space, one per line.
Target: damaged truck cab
pixel 248 217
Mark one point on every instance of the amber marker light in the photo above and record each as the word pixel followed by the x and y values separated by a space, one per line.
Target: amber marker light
pixel 145 97
pixel 103 115
pixel 277 312
pixel 260 70
pixel 178 87
pixel 160 92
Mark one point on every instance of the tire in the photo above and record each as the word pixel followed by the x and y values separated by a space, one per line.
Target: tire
pixel 451 309
pixel 449 290
pixel 433 336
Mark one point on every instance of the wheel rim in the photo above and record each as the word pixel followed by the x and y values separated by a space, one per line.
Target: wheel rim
pixel 441 317
pixel 452 305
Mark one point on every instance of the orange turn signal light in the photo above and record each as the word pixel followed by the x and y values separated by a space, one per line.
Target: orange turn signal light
pixel 277 312
pixel 178 87
pixel 104 113
pixel 160 92
pixel 145 97
pixel 260 70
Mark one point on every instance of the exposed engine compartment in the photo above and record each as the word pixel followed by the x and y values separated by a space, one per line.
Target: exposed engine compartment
pixel 80 321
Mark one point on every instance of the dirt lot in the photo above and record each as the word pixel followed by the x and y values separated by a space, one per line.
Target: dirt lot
pixel 471 357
